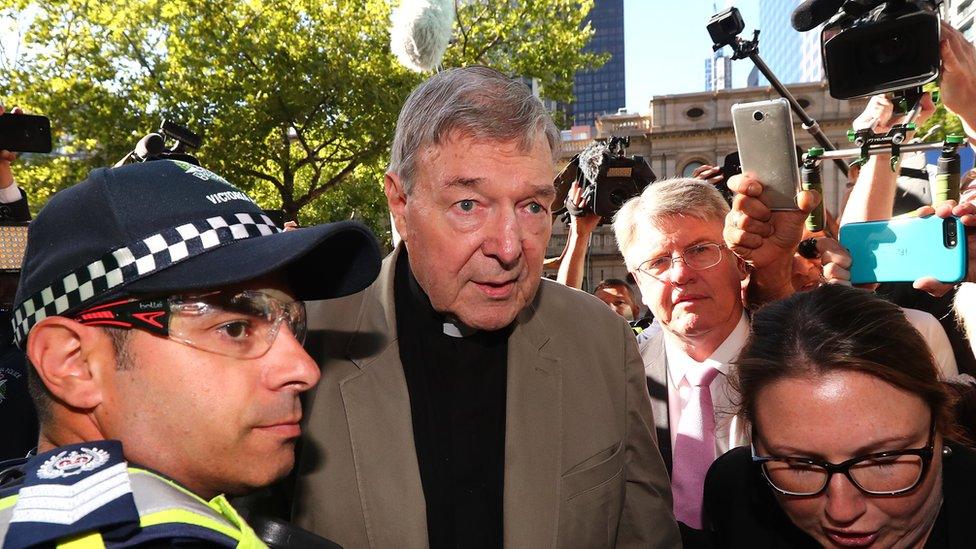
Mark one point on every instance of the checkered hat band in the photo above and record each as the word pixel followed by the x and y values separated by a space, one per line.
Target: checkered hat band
pixel 135 261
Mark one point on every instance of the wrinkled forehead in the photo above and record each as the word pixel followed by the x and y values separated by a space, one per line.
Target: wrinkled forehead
pixel 480 164
pixel 675 232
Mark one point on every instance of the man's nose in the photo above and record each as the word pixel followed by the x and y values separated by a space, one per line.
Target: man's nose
pixel 503 240
pixel 680 272
pixel 290 366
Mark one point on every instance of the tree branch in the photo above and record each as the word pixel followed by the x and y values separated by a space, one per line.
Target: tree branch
pixel 143 61
pixel 316 192
pixel 264 177
pixel 464 33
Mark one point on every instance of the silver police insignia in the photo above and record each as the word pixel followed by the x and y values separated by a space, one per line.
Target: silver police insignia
pixel 66 464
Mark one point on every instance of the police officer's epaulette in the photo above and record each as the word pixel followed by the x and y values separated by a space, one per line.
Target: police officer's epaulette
pixel 71 490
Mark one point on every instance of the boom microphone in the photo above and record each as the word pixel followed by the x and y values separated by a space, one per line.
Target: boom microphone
pixel 421 32
pixel 811 13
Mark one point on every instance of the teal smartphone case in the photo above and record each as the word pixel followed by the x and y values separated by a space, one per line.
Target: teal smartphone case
pixel 904 250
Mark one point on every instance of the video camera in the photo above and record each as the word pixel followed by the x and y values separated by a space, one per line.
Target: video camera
pixel 607 177
pixel 153 145
pixel 875 46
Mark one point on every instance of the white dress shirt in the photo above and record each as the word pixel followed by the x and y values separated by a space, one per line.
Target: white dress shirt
pixel 730 431
pixel 932 332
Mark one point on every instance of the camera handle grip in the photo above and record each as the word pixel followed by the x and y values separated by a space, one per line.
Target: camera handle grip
pixel 810 178
pixel 946 185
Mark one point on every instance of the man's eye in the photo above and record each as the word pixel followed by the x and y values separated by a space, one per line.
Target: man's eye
pixel 536 208
pixel 466 205
pixel 658 263
pixel 238 329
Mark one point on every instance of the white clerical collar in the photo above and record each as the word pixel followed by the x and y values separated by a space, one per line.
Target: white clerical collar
pixel 455 328
pixel 679 362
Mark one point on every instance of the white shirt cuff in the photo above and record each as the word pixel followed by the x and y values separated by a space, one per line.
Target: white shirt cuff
pixel 10 194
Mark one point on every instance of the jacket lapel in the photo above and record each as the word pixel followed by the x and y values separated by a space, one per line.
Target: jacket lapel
pixel 532 436
pixel 377 409
pixel 656 370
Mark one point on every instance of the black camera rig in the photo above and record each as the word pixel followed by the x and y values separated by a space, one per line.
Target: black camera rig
pixel 868 47
pixel 607 177
pixel 153 145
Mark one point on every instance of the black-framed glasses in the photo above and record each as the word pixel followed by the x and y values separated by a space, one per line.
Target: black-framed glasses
pixel 698 257
pixel 241 324
pixel 878 474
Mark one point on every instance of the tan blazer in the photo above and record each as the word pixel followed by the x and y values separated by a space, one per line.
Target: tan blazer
pixel 581 464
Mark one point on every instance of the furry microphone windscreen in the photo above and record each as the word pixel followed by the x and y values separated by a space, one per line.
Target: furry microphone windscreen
pixel 421 32
pixel 591 159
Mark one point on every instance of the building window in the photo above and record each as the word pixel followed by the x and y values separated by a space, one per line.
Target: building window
pixel 695 113
pixel 690 168
pixel 804 102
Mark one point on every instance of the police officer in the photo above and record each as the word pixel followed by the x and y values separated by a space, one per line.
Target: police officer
pixel 159 308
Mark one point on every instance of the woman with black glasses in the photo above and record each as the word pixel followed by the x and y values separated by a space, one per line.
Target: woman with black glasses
pixel 852 434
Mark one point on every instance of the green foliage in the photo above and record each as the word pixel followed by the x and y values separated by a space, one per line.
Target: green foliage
pixel 949 124
pixel 293 98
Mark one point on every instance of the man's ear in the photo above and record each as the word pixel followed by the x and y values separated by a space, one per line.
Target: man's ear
pixel 743 267
pixel 70 358
pixel 396 200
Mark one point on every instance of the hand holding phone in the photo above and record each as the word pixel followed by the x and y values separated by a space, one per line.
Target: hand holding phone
pixel 25 133
pixel 906 249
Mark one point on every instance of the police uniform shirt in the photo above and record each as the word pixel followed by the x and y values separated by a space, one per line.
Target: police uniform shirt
pixel 88 494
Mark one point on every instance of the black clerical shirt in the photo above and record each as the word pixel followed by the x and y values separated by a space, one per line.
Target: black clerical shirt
pixel 457 402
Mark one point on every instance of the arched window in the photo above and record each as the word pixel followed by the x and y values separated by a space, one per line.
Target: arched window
pixel 690 168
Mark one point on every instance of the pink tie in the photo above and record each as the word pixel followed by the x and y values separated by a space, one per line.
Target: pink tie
pixel 694 447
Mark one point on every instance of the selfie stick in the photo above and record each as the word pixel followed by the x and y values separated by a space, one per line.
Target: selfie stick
pixel 750 48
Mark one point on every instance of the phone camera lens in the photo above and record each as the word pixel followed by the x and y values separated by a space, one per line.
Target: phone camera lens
pixel 758 116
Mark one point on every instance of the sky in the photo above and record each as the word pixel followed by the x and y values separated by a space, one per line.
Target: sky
pixel 666 44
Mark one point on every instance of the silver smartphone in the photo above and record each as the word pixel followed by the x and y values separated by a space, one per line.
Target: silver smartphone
pixel 767 148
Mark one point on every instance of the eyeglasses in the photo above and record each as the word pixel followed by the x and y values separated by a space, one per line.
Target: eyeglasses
pixel 241 324
pixel 878 474
pixel 698 257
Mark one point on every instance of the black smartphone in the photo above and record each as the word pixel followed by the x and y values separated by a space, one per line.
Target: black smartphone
pixel 25 133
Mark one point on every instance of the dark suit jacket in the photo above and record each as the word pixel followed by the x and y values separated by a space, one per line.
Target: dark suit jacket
pixel 742 511
pixel 656 369
pixel 17 415
pixel 581 465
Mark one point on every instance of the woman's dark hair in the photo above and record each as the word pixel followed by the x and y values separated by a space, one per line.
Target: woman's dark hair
pixel 837 328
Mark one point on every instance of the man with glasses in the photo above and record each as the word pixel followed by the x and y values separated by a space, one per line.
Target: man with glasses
pixel 671 240
pixel 159 309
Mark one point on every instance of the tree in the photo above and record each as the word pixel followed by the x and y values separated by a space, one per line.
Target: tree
pixel 294 97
